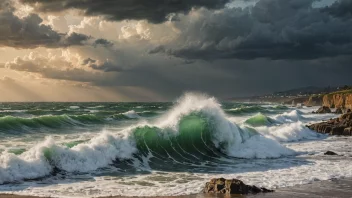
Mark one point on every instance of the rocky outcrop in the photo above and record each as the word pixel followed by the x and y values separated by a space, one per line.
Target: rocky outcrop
pixel 337 126
pixel 323 109
pixel 231 186
pixel 338 100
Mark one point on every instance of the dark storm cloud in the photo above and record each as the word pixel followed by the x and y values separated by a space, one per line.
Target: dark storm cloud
pixel 273 46
pixel 158 49
pixel 155 11
pixel 227 78
pixel 274 29
pixel 105 66
pixel 75 39
pixel 88 61
pixel 29 32
pixel 341 8
pixel 102 42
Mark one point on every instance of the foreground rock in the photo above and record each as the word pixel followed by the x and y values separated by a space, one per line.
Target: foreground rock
pixel 231 186
pixel 337 126
pixel 330 153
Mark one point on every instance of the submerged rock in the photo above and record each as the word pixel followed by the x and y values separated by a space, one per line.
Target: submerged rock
pixel 323 109
pixel 337 126
pixel 232 186
pixel 330 153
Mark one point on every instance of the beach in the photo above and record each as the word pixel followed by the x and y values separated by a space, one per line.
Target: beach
pixel 341 188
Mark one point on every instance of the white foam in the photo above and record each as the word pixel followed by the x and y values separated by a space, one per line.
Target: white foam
pixel 131 114
pixel 292 116
pixel 289 132
pixel 29 165
pixel 269 173
pixel 97 153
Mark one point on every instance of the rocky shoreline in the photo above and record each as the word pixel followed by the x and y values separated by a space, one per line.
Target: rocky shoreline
pixel 338 126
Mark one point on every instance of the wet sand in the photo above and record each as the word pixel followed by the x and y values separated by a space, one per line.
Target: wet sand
pixel 339 188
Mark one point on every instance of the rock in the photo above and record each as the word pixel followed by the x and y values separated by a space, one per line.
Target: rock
pixel 348 111
pixel 337 126
pixel 231 186
pixel 323 109
pixel 347 117
pixel 337 130
pixel 330 153
pixel 347 131
pixel 327 130
pixel 339 111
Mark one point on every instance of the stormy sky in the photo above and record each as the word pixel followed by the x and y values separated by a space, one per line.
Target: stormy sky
pixel 124 50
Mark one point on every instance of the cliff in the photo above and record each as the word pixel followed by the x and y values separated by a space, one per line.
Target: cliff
pixel 314 100
pixel 341 99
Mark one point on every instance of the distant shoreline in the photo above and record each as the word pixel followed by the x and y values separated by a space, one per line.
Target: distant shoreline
pixel 274 99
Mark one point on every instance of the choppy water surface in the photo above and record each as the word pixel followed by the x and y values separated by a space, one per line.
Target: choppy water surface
pixel 160 149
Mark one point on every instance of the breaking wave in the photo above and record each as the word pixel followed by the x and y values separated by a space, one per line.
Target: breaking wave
pixel 260 120
pixel 195 131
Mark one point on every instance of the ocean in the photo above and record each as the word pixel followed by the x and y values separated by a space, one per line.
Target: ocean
pixel 161 149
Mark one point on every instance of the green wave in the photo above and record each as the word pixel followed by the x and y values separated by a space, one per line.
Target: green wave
pixel 74 143
pixel 246 109
pixel 255 109
pixel 13 123
pixel 148 113
pixel 16 151
pixel 280 107
pixel 260 120
pixel 50 121
pixel 193 141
